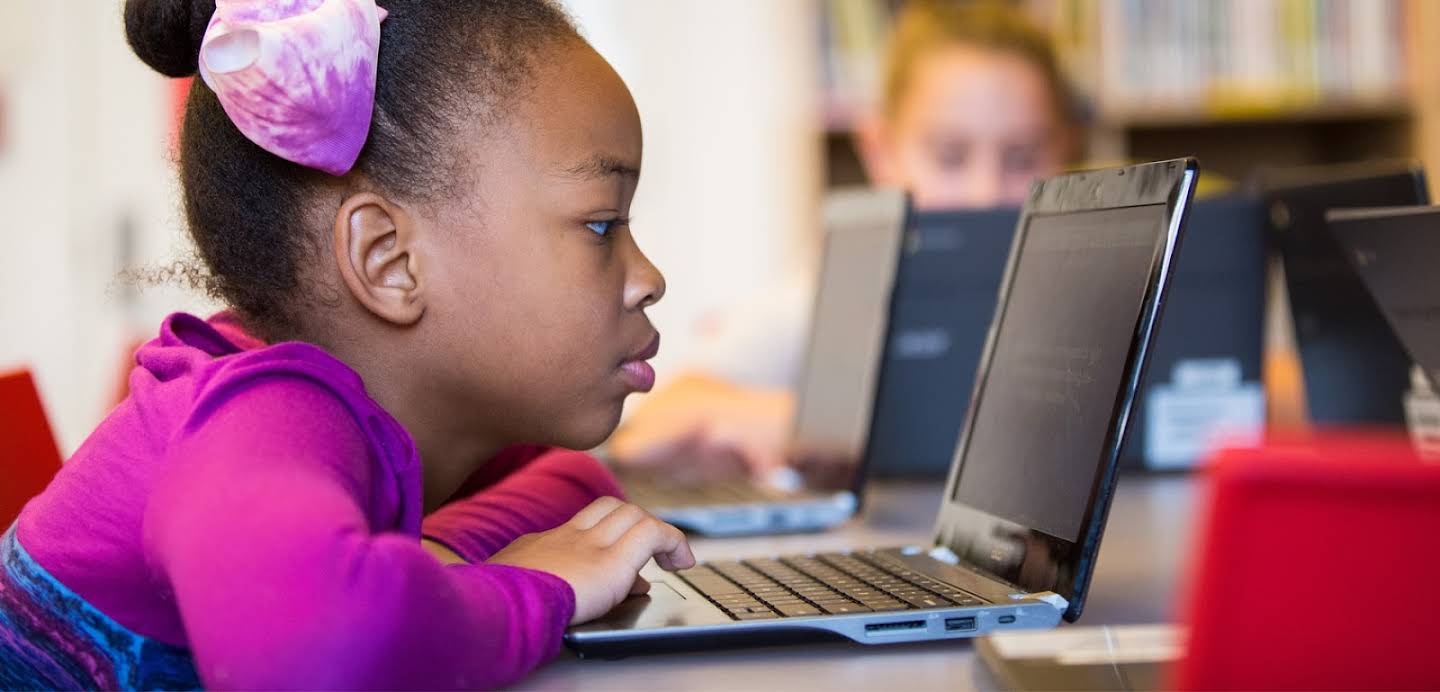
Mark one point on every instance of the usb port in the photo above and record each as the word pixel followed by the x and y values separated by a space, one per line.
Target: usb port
pixel 894 627
pixel 1007 619
pixel 959 624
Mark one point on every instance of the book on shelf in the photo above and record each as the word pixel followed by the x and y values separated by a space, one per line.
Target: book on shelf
pixel 1172 60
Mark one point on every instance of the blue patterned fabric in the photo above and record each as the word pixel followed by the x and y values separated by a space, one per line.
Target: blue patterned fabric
pixel 50 638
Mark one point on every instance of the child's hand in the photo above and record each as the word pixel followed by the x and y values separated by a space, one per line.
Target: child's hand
pixel 599 552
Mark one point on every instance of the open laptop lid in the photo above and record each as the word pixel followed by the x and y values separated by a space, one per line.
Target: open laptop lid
pixel 1034 469
pixel 863 230
pixel 1202 383
pixel 949 274
pixel 1394 251
pixel 1354 369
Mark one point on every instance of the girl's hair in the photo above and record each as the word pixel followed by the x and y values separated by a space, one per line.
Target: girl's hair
pixel 925 25
pixel 250 213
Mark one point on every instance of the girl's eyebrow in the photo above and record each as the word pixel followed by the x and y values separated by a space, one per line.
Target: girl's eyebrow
pixel 603 166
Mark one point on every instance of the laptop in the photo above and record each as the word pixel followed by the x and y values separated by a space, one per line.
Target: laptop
pixel 1394 251
pixel 1354 369
pixel 834 396
pixel 949 274
pixel 1203 381
pixel 1203 384
pixel 1032 473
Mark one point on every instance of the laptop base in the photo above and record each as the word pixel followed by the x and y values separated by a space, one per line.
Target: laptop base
pixel 785 516
pixel 676 616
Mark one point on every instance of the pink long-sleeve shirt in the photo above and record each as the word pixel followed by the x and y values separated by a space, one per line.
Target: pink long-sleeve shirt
pixel 254 506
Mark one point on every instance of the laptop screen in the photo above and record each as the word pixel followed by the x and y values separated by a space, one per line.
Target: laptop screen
pixel 1034 467
pixel 1040 429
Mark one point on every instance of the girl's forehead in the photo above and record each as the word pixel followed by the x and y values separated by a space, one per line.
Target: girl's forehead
pixel 968 87
pixel 580 112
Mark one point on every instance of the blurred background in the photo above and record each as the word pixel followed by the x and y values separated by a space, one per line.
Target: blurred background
pixel 749 108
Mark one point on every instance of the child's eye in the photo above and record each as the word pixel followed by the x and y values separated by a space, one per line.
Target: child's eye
pixel 605 229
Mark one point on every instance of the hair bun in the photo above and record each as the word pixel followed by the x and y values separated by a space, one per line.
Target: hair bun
pixel 166 33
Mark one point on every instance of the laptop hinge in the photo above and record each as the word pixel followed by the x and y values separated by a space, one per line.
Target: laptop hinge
pixel 944 554
pixel 1055 600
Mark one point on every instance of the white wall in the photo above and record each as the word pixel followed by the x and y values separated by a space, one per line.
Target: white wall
pixel 727 90
pixel 84 149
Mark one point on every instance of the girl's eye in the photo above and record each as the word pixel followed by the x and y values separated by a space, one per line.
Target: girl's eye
pixel 601 228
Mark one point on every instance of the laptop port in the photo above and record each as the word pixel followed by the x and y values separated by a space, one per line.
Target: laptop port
pixel 959 624
pixel 1007 619
pixel 894 627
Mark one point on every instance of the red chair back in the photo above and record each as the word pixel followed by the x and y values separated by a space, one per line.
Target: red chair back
pixel 1318 568
pixel 29 457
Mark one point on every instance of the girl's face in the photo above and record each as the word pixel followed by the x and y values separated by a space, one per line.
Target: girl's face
pixel 541 290
pixel 974 128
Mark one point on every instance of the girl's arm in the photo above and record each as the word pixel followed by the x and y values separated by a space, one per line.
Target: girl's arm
pixel 272 534
pixel 545 488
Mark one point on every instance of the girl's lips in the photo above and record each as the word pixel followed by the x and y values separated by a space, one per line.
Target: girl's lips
pixel 638 374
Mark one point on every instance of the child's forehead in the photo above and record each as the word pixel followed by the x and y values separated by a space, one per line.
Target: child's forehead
pixel 580 118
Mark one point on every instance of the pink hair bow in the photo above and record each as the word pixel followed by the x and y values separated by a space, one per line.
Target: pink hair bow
pixel 297 77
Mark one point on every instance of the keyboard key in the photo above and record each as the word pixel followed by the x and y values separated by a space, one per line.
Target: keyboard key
pixel 844 608
pixel 885 605
pixel 925 601
pixel 767 615
pixel 798 610
pixel 831 583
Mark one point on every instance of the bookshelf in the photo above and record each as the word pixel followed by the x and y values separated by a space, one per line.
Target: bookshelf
pixel 1238 83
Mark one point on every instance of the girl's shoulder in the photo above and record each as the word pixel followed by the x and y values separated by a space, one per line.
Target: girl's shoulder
pixel 197 368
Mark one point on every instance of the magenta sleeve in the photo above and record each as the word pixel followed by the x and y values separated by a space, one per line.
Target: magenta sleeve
pixel 285 575
pixel 537 496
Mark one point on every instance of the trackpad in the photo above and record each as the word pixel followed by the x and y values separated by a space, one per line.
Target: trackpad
pixel 664 606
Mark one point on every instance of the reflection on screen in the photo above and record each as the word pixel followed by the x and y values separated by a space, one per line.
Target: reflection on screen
pixel 1037 439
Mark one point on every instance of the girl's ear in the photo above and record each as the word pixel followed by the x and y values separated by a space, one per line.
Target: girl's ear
pixel 379 259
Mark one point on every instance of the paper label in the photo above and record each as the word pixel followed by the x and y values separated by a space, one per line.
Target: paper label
pixel 1422 412
pixel 1206 406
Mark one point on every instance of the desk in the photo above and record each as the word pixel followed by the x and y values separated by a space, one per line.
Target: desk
pixel 1135 582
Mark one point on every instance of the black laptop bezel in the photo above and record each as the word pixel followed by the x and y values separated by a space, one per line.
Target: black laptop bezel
pixel 1169 183
pixel 1307 248
pixel 1339 221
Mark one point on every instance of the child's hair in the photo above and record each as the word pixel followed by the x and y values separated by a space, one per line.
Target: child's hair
pixel 925 25
pixel 249 212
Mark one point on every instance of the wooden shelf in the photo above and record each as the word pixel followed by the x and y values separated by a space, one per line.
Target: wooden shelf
pixel 1155 117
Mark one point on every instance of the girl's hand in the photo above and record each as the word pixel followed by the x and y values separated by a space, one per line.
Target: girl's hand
pixel 599 552
pixel 699 428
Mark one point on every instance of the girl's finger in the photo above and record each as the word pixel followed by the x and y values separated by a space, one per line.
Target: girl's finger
pixel 615 524
pixel 657 539
pixel 594 512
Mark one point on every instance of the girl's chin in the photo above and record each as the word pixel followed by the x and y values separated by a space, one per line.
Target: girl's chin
pixel 590 431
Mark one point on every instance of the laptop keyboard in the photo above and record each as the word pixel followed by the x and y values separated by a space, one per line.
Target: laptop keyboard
pixel 826 584
pixel 648 493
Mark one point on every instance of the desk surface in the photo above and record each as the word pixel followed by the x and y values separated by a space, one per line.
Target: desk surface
pixel 1135 582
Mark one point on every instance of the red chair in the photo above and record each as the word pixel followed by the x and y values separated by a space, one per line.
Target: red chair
pixel 1318 568
pixel 29 457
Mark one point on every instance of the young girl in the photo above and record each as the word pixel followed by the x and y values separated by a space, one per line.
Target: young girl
pixel 974 109
pixel 417 213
